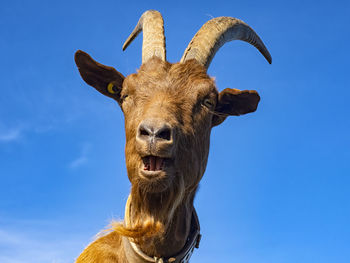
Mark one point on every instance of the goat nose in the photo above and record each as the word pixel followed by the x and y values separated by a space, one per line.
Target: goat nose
pixel 149 130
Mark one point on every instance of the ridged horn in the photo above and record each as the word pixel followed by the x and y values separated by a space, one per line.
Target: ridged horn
pixel 215 33
pixel 152 24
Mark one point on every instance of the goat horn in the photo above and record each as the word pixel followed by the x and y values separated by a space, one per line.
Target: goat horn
pixel 152 25
pixel 215 33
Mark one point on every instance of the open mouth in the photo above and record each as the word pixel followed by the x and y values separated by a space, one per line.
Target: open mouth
pixel 153 163
pixel 156 173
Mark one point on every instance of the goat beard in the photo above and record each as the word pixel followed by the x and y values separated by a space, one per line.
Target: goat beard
pixel 140 231
pixel 151 213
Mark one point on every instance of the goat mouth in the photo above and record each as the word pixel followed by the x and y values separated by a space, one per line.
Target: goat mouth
pixel 154 167
pixel 153 163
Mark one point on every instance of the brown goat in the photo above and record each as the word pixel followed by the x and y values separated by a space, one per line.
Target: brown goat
pixel 169 111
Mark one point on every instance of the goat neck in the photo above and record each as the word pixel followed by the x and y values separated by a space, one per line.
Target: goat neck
pixel 176 230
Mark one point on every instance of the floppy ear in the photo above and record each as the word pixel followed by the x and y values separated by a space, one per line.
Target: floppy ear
pixel 105 79
pixel 235 102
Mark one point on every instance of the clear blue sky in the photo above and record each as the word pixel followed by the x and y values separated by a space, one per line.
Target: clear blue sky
pixel 276 189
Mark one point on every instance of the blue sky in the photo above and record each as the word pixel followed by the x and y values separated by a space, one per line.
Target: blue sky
pixel 276 187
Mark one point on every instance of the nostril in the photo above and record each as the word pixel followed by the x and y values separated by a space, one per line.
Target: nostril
pixel 164 134
pixel 143 132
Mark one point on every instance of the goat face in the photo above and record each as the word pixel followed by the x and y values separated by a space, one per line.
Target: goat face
pixel 169 111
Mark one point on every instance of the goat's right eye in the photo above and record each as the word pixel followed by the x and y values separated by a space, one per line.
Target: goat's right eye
pixel 208 103
pixel 124 97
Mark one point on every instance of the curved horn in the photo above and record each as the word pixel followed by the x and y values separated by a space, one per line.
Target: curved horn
pixel 152 25
pixel 215 33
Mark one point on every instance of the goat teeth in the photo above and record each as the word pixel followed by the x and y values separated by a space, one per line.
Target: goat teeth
pixel 153 163
pixel 159 163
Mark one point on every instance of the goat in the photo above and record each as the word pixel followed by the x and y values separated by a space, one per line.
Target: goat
pixel 169 112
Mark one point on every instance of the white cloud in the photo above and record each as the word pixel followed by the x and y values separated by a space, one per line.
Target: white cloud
pixel 11 135
pixel 18 247
pixel 82 158
pixel 78 162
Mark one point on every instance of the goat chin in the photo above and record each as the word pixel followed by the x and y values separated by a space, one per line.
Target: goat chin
pixel 154 186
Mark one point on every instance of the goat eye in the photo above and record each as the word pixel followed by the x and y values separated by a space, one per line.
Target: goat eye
pixel 124 97
pixel 111 88
pixel 208 103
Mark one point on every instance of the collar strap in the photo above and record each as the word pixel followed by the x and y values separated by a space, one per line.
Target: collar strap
pixel 135 255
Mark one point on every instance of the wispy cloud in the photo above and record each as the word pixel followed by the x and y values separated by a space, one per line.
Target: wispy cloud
pixel 24 248
pixel 78 162
pixel 14 134
pixel 10 135
pixel 82 158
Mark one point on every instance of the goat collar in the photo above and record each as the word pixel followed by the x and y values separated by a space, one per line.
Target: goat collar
pixel 135 255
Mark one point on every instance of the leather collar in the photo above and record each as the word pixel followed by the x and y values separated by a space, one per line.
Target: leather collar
pixel 135 255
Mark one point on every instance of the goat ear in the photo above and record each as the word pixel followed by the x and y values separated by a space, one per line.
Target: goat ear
pixel 105 79
pixel 235 102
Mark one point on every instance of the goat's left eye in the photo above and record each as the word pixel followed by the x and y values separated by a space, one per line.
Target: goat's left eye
pixel 208 103
pixel 111 88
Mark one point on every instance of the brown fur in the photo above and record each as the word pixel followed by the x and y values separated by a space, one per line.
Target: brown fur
pixel 184 97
